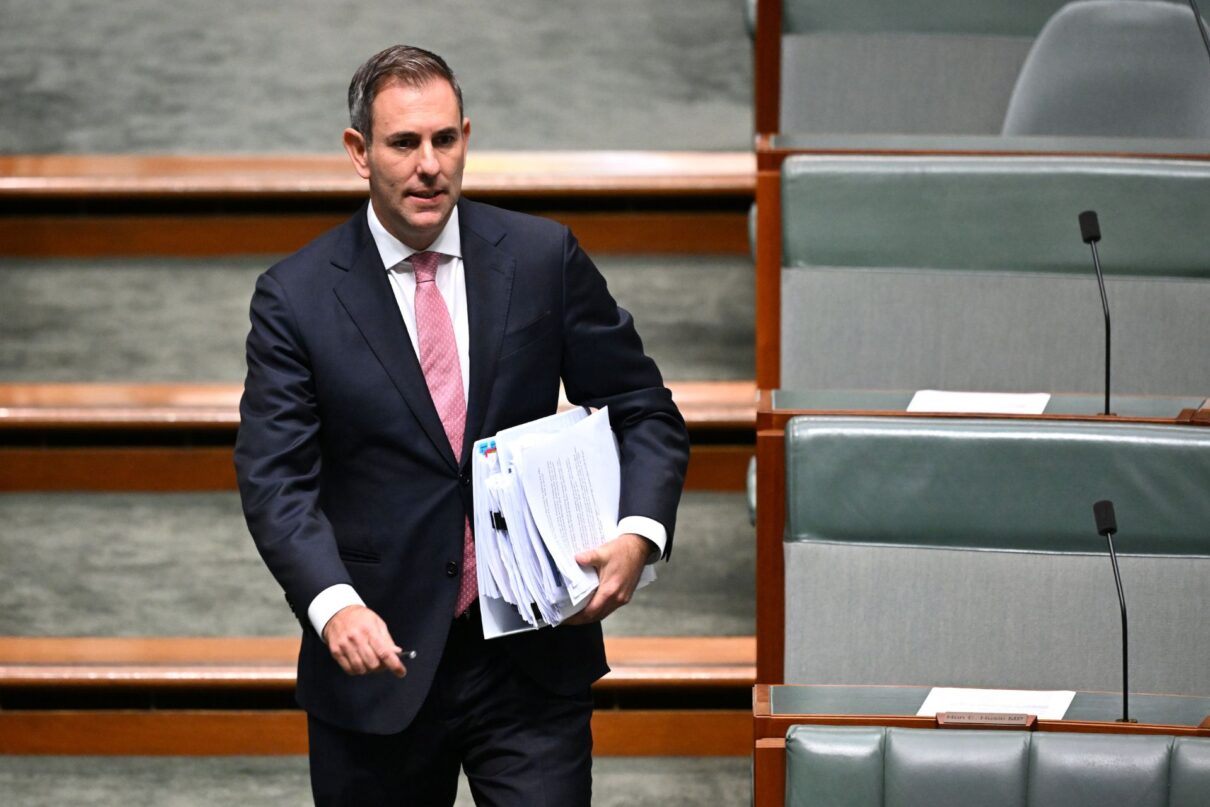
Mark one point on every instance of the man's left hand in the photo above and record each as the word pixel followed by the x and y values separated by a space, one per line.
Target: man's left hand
pixel 618 563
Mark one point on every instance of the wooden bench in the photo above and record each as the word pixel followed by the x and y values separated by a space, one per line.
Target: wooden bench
pixel 616 201
pixel 179 436
pixel 695 669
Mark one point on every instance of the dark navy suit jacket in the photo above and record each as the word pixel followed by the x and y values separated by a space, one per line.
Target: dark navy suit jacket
pixel 345 471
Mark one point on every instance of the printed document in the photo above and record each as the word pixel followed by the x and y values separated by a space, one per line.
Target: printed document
pixel 543 492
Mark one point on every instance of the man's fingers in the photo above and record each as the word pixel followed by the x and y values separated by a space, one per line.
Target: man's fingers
pixel 390 660
pixel 590 557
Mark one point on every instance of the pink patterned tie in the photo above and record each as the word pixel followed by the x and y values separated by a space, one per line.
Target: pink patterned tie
pixel 443 375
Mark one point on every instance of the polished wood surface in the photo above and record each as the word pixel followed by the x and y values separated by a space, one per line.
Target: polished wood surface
pixel 258 663
pixel 766 67
pixel 709 405
pixel 769 733
pixel 126 468
pixel 488 174
pixel 166 732
pixel 209 468
pixel 205 234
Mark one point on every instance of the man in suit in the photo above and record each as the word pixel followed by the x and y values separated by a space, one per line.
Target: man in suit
pixel 377 355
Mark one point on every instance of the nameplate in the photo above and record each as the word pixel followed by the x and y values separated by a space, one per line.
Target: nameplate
pixel 986 720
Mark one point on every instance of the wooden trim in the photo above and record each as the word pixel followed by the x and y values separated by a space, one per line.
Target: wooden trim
pixel 769 772
pixel 116 469
pixel 770 560
pixel 284 732
pixel 698 733
pixel 768 279
pixel 245 662
pixel 706 405
pixel 766 68
pixel 718 467
pixel 188 468
pixel 583 173
pixel 676 232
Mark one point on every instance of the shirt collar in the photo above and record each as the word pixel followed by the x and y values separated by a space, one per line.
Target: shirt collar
pixel 392 250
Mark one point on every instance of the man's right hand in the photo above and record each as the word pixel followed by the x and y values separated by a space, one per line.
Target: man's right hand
pixel 360 642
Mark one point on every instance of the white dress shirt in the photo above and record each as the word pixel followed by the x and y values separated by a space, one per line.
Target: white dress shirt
pixel 451 282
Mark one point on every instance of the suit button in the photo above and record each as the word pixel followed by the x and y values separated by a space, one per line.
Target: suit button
pixel 466 480
pixel 451 569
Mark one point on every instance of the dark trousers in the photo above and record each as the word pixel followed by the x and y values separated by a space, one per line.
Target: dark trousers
pixel 520 746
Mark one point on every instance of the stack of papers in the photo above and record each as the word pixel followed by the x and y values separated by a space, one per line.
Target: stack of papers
pixel 543 492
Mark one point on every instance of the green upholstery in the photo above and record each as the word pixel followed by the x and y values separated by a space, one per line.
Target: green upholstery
pixel 1129 68
pixel 1004 485
pixel 929 67
pixel 831 766
pixel 995 213
pixel 963 553
pixel 969 273
pixel 1023 18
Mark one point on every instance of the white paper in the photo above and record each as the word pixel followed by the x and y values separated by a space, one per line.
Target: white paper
pixel 556 483
pixel 1047 705
pixel 990 403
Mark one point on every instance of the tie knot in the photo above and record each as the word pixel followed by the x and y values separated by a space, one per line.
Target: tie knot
pixel 425 266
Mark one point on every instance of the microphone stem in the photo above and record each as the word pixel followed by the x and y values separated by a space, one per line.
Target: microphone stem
pixel 1096 262
pixel 1117 577
pixel 1201 29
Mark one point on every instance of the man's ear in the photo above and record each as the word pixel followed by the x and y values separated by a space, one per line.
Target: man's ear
pixel 355 145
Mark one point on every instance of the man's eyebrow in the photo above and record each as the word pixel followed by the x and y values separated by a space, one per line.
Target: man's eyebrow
pixel 395 137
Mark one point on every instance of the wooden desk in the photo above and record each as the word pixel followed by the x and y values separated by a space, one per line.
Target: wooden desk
pixel 776 708
pixel 777 407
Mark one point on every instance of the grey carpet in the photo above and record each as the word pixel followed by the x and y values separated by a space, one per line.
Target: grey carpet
pixel 183 564
pixel 232 76
pixel 277 781
pixel 185 320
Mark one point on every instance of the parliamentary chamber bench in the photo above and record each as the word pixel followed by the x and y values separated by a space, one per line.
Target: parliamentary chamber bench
pixel 876 766
pixel 233 694
pixel 898 552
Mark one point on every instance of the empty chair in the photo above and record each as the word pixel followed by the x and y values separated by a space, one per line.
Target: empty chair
pixel 1115 68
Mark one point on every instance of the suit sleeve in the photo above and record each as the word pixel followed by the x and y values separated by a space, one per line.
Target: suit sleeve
pixel 604 365
pixel 278 453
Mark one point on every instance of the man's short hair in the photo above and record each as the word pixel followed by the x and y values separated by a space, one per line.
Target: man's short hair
pixel 408 65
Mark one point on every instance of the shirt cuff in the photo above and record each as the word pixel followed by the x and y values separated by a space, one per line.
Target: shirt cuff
pixel 647 528
pixel 328 602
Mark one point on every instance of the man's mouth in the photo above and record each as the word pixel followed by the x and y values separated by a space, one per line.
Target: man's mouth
pixel 426 194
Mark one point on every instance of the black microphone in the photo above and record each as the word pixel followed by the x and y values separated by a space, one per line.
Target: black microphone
pixel 1201 29
pixel 1107 525
pixel 1090 231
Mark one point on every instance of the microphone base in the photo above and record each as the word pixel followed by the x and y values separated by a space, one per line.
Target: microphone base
pixel 1126 720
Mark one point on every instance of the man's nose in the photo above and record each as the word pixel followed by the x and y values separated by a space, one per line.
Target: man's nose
pixel 428 165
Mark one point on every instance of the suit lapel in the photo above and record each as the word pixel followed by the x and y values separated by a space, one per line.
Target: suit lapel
pixel 365 292
pixel 489 283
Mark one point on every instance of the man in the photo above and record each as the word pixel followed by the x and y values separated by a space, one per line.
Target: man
pixel 377 355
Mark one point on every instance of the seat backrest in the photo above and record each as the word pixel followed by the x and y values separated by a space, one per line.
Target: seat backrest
pixel 970 273
pixel 1115 68
pixel 951 552
pixel 831 766
pixel 937 66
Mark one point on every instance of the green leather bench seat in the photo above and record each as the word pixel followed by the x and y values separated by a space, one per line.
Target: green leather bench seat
pixel 957 552
pixel 830 766
pixel 970 273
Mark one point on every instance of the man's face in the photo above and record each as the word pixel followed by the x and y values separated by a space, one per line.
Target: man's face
pixel 415 159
